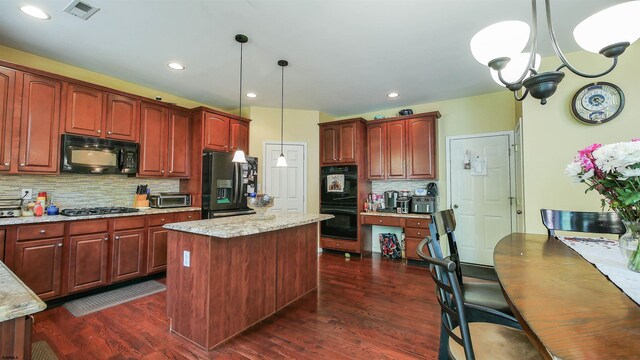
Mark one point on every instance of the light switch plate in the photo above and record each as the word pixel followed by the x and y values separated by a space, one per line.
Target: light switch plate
pixel 186 258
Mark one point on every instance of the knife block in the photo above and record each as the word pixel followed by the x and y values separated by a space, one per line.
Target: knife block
pixel 140 201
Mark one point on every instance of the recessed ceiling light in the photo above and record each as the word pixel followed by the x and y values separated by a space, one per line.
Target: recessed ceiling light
pixel 251 95
pixel 35 12
pixel 175 66
pixel 392 95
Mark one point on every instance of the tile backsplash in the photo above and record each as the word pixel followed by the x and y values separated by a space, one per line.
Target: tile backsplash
pixel 379 187
pixel 77 190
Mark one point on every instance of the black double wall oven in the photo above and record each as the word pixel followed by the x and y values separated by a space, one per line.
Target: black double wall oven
pixel 339 197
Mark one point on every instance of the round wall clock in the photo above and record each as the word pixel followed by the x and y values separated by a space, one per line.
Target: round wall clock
pixel 597 103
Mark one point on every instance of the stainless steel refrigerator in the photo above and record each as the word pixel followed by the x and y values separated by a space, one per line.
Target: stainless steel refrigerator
pixel 225 184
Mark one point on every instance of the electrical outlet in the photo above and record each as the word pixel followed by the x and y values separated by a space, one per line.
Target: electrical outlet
pixel 186 258
pixel 28 192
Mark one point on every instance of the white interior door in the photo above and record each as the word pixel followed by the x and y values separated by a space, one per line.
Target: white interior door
pixel 480 186
pixel 286 184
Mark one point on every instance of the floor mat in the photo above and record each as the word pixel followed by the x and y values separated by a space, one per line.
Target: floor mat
pixel 93 303
pixel 40 350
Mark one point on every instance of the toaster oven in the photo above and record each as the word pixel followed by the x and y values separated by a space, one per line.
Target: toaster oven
pixel 169 200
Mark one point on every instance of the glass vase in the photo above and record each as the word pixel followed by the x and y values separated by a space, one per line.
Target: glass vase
pixel 630 244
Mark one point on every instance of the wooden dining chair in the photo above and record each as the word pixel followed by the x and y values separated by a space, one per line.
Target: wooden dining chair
pixel 471 340
pixel 582 221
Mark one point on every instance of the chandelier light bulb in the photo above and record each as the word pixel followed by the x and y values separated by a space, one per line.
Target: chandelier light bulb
pixel 610 26
pixel 503 39
pixel 515 68
pixel 282 162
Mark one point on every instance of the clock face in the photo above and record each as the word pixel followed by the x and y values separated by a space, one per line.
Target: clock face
pixel 597 103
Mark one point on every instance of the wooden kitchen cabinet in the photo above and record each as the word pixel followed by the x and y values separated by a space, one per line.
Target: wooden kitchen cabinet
pixel 153 140
pixel 122 119
pixel 88 257
pixel 7 99
pixel 3 233
pixel 157 249
pixel 403 147
pixel 239 135
pixel 127 261
pixel 38 263
pixel 342 141
pixel 84 110
pixel 216 132
pixel 39 125
pixel 178 154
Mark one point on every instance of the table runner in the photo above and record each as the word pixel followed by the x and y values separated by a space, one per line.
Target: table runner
pixel 606 256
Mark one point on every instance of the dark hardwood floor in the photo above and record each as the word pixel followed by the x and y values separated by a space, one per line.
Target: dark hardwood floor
pixel 363 309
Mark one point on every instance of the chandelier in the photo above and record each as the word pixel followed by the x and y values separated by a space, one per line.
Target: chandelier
pixel 500 47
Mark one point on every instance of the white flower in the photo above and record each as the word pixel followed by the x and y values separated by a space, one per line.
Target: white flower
pixel 573 171
pixel 615 157
pixel 588 175
pixel 627 173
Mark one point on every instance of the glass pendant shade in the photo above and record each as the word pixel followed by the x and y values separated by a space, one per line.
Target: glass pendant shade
pixel 515 68
pixel 612 25
pixel 282 162
pixel 239 157
pixel 503 39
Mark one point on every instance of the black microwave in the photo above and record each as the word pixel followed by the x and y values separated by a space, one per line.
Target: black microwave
pixel 89 155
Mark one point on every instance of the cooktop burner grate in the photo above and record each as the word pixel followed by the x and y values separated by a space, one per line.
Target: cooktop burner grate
pixel 97 211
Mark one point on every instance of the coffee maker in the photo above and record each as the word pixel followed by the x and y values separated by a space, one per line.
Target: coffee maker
pixel 391 200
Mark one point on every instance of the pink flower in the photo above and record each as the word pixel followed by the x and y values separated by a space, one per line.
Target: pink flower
pixel 635 139
pixel 585 156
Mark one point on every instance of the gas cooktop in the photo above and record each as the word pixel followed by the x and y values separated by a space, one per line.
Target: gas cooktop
pixel 97 211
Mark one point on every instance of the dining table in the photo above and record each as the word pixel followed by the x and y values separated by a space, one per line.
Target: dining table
pixel 566 306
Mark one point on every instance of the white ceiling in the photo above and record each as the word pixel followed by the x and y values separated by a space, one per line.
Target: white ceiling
pixel 344 55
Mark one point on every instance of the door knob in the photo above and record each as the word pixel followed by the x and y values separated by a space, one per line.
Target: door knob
pixel 455 206
pixel 518 212
pixel 6 164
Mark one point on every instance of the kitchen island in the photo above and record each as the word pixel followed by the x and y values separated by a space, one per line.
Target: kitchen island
pixel 224 275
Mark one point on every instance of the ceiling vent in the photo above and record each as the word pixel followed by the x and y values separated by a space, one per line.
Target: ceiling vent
pixel 81 9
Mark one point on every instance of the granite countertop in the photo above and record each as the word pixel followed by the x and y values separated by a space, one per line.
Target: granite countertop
pixel 16 299
pixel 56 218
pixel 409 216
pixel 234 226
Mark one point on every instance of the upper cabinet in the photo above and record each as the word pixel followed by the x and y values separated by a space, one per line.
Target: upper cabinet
pixel 342 142
pixel 7 97
pixel 39 124
pixel 92 112
pixel 179 132
pixel 216 132
pixel 403 147
pixel 239 135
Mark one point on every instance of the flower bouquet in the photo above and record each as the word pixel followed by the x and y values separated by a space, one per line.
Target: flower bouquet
pixel 613 170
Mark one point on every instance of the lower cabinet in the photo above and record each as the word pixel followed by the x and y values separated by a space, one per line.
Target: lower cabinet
pixel 157 250
pixel 128 255
pixel 88 256
pixel 415 231
pixel 38 263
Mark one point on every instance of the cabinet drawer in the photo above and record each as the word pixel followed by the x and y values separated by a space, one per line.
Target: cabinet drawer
pixel 124 223
pixel 417 223
pixel 416 233
pixel 40 231
pixel 188 216
pixel 382 220
pixel 337 244
pixel 410 247
pixel 161 219
pixel 88 227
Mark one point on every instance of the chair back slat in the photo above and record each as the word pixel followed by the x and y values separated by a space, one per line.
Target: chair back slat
pixel 582 221
pixel 444 226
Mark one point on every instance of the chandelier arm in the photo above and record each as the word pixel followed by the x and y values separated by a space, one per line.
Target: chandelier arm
pixel 558 51
pixel 524 95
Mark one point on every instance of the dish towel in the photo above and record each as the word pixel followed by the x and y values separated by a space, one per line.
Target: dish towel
pixel 606 256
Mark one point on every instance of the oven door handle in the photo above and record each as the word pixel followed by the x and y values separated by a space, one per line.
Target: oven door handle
pixel 338 211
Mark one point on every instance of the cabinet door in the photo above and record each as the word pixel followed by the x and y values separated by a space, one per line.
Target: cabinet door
pixel 239 135
pixel 2 236
pixel 396 149
pixel 329 141
pixel 39 125
pixel 216 132
pixel 347 145
pixel 128 255
pixel 38 264
pixel 153 134
pixel 421 148
pixel 83 115
pixel 123 118
pixel 7 96
pixel 88 255
pixel 179 140
pixel 157 250
pixel 376 145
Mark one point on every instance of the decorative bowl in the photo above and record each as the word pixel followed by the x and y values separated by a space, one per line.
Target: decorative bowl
pixel 260 204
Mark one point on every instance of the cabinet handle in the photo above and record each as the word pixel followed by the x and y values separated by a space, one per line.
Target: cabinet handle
pixel 99 131
pixel 7 164
pixel 418 224
pixel 59 244
pixel 162 220
pixel 190 216
pixel 419 233
pixel 170 171
pixel 162 171
pixel 380 221
pixel 106 238
pixel 109 132
pixel 117 237
pixel 43 231
pixel 21 164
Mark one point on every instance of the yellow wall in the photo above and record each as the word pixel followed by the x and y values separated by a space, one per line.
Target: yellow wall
pixel 552 136
pixel 463 116
pixel 55 67
pixel 299 126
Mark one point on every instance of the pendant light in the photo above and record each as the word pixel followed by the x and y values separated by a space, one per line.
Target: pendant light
pixel 282 162
pixel 238 156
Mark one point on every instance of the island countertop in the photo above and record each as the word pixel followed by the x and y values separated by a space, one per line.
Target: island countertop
pixel 243 225
pixel 16 299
